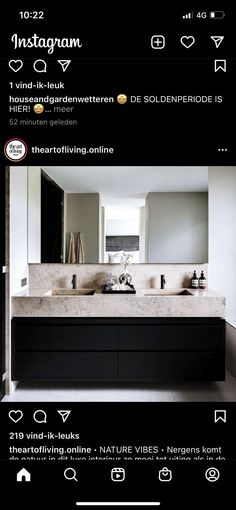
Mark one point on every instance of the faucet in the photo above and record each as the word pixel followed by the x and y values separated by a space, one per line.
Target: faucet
pixel 163 281
pixel 74 281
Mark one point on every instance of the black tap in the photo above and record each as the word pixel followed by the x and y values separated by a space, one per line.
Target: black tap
pixel 74 281
pixel 163 281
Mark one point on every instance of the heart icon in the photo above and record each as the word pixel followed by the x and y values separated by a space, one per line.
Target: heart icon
pixel 187 41
pixel 15 415
pixel 15 65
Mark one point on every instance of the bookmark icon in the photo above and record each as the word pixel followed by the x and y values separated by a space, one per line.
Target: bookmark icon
pixel 220 415
pixel 220 65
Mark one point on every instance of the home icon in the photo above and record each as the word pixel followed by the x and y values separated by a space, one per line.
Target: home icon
pixel 23 476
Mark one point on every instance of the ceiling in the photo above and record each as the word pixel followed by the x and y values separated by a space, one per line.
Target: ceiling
pixel 120 185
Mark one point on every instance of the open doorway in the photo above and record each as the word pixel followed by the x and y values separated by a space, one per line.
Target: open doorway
pixel 123 233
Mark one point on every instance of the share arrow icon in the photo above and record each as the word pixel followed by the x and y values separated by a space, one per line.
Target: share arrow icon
pixel 217 39
pixel 64 64
pixel 64 414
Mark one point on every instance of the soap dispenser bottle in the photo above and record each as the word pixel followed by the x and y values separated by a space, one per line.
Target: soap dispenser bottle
pixel 202 281
pixel 194 281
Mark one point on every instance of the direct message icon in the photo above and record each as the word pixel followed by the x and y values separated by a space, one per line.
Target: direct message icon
pixel 64 414
pixel 64 64
pixel 217 39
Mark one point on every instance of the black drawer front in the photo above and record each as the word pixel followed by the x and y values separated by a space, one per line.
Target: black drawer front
pixel 172 366
pixel 178 336
pixel 66 336
pixel 35 365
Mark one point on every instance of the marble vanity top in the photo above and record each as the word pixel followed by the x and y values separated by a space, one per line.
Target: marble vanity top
pixel 38 302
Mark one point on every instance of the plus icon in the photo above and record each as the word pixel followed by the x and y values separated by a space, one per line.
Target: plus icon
pixel 158 42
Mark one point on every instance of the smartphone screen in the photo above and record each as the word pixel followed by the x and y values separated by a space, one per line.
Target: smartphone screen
pixel 117 257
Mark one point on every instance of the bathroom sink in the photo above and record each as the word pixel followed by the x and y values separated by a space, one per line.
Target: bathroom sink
pixel 72 292
pixel 183 292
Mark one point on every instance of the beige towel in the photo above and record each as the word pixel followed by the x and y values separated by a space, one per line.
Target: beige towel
pixel 71 252
pixel 80 249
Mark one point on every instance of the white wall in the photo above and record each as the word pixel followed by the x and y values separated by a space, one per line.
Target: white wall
pixel 18 227
pixel 222 235
pixel 122 221
pixel 177 228
pixel 34 214
pixel 64 228
pixel 142 230
pixel 122 227
pixel 102 234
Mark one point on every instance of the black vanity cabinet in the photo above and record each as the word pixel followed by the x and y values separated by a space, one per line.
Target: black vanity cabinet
pixel 118 350
pixel 64 349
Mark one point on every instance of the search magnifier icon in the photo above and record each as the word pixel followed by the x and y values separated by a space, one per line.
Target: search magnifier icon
pixel 40 66
pixel 70 474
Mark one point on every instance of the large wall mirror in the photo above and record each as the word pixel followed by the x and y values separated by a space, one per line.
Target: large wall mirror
pixel 94 214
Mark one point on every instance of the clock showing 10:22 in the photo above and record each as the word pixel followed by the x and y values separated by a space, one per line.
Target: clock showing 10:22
pixel 31 14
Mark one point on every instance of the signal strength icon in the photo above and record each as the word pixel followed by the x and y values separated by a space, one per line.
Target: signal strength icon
pixel 189 15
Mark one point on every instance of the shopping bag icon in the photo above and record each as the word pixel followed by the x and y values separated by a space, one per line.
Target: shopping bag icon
pixel 165 475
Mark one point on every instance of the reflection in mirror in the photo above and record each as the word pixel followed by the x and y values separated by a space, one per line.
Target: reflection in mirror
pixel 94 214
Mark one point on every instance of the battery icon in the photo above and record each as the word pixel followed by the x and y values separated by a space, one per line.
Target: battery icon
pixel 217 15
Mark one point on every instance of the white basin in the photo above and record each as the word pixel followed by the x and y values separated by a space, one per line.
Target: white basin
pixel 71 292
pixel 182 292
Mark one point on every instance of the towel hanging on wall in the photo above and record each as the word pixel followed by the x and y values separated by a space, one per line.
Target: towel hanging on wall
pixel 80 249
pixel 71 252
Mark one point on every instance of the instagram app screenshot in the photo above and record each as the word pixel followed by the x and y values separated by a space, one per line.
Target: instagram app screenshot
pixel 118 257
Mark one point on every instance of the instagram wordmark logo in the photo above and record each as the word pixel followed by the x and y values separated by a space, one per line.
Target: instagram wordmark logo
pixel 35 41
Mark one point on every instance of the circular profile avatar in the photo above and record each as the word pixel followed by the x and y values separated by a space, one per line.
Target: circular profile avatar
pixel 15 149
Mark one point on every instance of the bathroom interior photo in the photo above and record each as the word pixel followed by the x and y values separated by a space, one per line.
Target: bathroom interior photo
pixel 118 283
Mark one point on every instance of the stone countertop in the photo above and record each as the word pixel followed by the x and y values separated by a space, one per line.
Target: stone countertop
pixel 37 302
